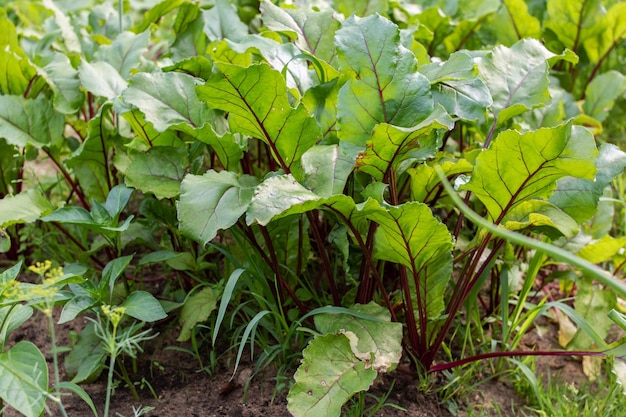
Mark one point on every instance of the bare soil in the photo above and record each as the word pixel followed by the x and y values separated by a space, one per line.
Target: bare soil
pixel 171 383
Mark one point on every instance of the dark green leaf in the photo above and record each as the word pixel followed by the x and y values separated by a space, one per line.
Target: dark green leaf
pixel 384 85
pixel 142 306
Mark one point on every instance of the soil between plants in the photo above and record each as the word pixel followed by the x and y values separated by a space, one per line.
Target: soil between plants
pixel 171 382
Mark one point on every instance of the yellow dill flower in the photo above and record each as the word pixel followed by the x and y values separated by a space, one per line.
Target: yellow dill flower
pixel 53 276
pixel 40 268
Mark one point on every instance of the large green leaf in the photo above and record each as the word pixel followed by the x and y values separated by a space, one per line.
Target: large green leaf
pixel 382 339
pixel 146 136
pixel 517 77
pixel 328 376
pixel 384 85
pixel 457 87
pixel 257 105
pixel 523 166
pixel 213 201
pixel 579 197
pixel 411 236
pixel 613 32
pixel 573 21
pixel 314 30
pixel 25 207
pixel 34 122
pixel 389 145
pixel 601 94
pixel 167 99
pixel 160 171
pixel 24 377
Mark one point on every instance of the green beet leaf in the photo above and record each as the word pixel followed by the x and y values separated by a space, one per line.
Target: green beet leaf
pixel 196 309
pixel 327 167
pixel 378 342
pixel 579 197
pixel 229 147
pixel 513 22
pixel 574 20
pixel 361 8
pixel 159 171
pixel 167 99
pixel 146 136
pixel 125 52
pixel 524 166
pixel 329 375
pixel 425 182
pixel 101 79
pixel 517 77
pixel 212 202
pixel 601 94
pixel 389 145
pixel 313 30
pixel 24 377
pixel 33 122
pixel 613 31
pixel 257 105
pixel 540 214
pixel 602 250
pixel 411 236
pixel 457 87
pixel 223 22
pixel 25 207
pixel 384 85
pixel 64 81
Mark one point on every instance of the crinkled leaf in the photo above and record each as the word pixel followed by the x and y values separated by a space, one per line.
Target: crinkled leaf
pixel 390 145
pixel 24 376
pixel 166 99
pixel 329 375
pixel 197 308
pixel 572 21
pixel 274 196
pixel 523 166
pixel 327 168
pixel 457 87
pixel 579 197
pixel 223 22
pixel 384 85
pixel 602 92
pixel 101 79
pixel 25 207
pixel 34 122
pixel 159 171
pixel 142 306
pixel 380 340
pixel 314 30
pixel 213 201
pixel 125 51
pixel 517 77
pixel 540 214
pixel 513 22
pixel 411 236
pixel 257 103
pixel 613 31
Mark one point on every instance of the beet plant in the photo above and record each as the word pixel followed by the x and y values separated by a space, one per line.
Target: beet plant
pixel 292 168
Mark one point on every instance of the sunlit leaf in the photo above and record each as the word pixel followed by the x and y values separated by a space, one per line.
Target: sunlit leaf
pixel 125 51
pixel 326 168
pixel 572 21
pixel 33 122
pixel 25 207
pixel 523 166
pixel 101 79
pixel 513 22
pixel 613 31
